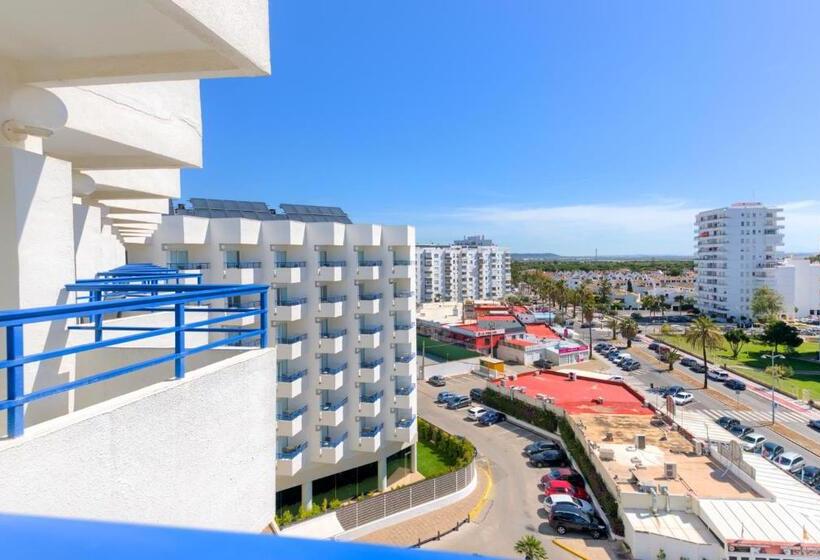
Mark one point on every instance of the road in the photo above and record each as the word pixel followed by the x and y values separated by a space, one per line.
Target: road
pixel 514 509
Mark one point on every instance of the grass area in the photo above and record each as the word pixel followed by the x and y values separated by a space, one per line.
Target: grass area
pixel 443 350
pixel 751 363
pixel 430 462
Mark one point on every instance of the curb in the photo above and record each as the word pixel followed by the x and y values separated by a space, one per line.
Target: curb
pixel 559 544
pixel 476 511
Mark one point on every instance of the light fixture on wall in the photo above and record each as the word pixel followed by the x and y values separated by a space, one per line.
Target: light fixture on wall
pixel 33 112
pixel 15 131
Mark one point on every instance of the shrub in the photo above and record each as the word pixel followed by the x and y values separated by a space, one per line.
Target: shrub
pixel 456 451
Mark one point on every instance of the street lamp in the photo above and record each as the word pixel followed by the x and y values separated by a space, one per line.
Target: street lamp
pixel 773 357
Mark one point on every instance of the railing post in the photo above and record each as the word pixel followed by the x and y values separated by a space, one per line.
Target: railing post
pixel 14 380
pixel 96 296
pixel 263 318
pixel 179 340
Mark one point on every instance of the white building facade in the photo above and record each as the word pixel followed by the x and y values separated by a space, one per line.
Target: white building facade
pixel 798 283
pixel 343 315
pixel 735 253
pixel 471 269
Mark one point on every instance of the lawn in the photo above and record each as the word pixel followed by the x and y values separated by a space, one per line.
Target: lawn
pixel 751 363
pixel 442 350
pixel 430 463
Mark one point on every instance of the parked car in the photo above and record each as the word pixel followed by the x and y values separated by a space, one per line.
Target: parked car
pixel 735 385
pixel 570 521
pixel 491 417
pixel 437 381
pixel 632 366
pixel 618 378
pixel 671 391
pixel 539 446
pixel 771 450
pixel 809 475
pixel 726 422
pixel 549 458
pixel 543 364
pixel 443 396
pixel 739 430
pixel 814 424
pixel 752 442
pixel 688 362
pixel 654 346
pixel 567 475
pixel 789 461
pixel 559 487
pixel 698 368
pixel 555 499
pixel 683 398
pixel 717 375
pixel 459 401
pixel 476 394
pixel 476 412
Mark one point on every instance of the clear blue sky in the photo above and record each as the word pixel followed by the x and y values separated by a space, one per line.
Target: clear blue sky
pixel 549 126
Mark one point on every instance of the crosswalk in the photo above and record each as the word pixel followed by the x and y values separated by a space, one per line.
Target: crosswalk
pixel 758 416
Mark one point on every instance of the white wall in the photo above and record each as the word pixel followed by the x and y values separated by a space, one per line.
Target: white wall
pixel 195 452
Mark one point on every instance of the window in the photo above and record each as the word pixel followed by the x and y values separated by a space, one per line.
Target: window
pixel 235 301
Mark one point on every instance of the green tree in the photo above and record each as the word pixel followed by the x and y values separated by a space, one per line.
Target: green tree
pixel 778 372
pixel 737 339
pixel 780 333
pixel 671 358
pixel 531 548
pixel 605 292
pixel 705 335
pixel 613 323
pixel 629 330
pixel 629 287
pixel 679 299
pixel 588 314
pixel 766 304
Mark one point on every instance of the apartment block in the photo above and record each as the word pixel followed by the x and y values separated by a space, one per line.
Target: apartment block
pixel 735 253
pixel 473 268
pixel 342 313
pixel 797 280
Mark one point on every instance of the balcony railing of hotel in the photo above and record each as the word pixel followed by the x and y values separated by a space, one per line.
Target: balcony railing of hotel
pixel 243 264
pixel 291 452
pixel 402 262
pixel 370 297
pixel 403 293
pixel 370 364
pixel 333 370
pixel 371 330
pixel 334 333
pixel 292 339
pixel 289 264
pixel 404 326
pixel 291 377
pixel 333 299
pixel 334 441
pixel 333 407
pixel 365 262
pixel 405 422
pixel 287 302
pixel 189 266
pixel 289 415
pixel 371 431
pixel 405 358
pixel 371 398
pixel 333 263
pixel 404 391
pixel 133 288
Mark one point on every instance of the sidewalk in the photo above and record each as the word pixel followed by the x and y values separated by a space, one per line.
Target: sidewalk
pixel 422 527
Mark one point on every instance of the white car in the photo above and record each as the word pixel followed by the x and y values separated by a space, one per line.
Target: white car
pixel 618 378
pixel 476 412
pixel 717 375
pixel 585 506
pixel 752 442
pixel 789 461
pixel 683 398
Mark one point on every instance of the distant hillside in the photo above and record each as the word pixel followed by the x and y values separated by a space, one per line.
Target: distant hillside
pixel 600 258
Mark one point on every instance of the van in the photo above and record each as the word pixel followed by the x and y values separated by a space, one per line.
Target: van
pixel 752 442
pixel 790 461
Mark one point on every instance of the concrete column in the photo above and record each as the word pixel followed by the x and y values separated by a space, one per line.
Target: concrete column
pixel 414 458
pixel 307 494
pixel 382 472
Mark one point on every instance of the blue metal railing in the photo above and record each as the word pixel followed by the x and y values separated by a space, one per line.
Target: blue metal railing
pixel 333 407
pixel 189 266
pixel 403 293
pixel 334 442
pixel 291 453
pixel 371 431
pixel 293 339
pixel 370 364
pixel 405 422
pixel 371 330
pixel 291 377
pixel 289 264
pixel 333 299
pixel 402 262
pixel 334 370
pixel 404 327
pixel 148 298
pixel 333 263
pixel 370 297
pixel 371 398
pixel 370 263
pixel 405 358
pixel 243 264
pixel 289 415
pixel 334 334
pixel 404 391
pixel 286 302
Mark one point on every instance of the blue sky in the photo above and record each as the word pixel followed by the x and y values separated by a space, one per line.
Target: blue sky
pixel 549 126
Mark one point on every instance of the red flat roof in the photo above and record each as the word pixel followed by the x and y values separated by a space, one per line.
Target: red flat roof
pixel 578 397
pixel 519 342
pixel 540 330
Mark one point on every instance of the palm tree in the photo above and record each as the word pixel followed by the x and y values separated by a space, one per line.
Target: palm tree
pixel 704 334
pixel 588 314
pixel 531 548
pixel 671 358
pixel 629 330
pixel 613 323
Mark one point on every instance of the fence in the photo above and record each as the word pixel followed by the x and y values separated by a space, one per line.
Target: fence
pixel 381 506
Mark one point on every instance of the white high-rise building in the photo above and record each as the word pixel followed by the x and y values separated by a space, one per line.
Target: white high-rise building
pixel 735 253
pixel 798 283
pixel 343 316
pixel 473 268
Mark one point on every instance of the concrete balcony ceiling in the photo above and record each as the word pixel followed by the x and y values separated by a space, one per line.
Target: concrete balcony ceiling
pixel 103 41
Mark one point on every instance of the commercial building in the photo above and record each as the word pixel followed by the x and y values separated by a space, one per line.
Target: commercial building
pixel 735 253
pixel 342 312
pixel 473 268
pixel 798 283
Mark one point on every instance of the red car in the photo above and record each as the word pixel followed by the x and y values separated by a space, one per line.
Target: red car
pixel 567 475
pixel 559 487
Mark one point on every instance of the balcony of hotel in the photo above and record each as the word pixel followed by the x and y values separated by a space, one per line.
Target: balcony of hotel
pixel 331 307
pixel 189 266
pixel 331 271
pixel 370 438
pixel 404 333
pixel 331 449
pixel 405 364
pixel 289 309
pixel 405 397
pixel 332 341
pixel 289 459
pixel 405 430
pixel 332 378
pixel 289 422
pixel 369 303
pixel 368 269
pixel 370 370
pixel 402 269
pixel 370 337
pixel 289 385
pixel 288 272
pixel 242 272
pixel 332 413
pixel 370 405
pixel 402 300
pixel 290 347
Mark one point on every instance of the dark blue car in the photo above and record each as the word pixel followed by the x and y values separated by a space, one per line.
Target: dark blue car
pixel 735 385
pixel 491 417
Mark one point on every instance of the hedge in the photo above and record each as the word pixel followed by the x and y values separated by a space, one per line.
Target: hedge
pixel 455 450
pixel 547 420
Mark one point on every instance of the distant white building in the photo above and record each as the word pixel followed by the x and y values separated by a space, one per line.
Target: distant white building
pixel 798 283
pixel 473 268
pixel 735 253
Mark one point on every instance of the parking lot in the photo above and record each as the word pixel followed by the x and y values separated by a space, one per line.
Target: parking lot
pixel 515 507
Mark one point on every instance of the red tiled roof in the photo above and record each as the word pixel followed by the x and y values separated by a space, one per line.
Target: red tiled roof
pixel 540 330
pixel 521 343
